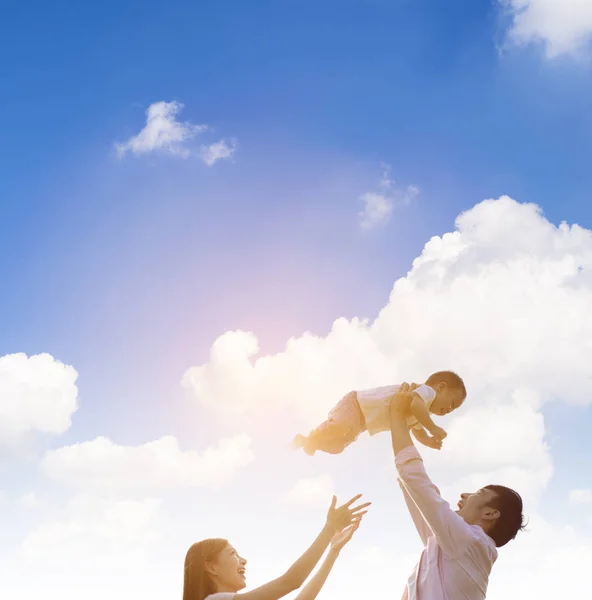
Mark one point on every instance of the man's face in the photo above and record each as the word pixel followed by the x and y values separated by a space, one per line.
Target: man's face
pixel 475 508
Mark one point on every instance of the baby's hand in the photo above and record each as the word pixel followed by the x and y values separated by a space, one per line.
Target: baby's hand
pixel 432 442
pixel 438 433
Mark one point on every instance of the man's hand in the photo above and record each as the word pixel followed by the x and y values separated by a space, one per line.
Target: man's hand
pixel 401 401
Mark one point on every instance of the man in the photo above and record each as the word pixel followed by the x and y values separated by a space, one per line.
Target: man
pixel 460 546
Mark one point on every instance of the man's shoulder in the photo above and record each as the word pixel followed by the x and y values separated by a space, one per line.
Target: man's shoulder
pixel 482 541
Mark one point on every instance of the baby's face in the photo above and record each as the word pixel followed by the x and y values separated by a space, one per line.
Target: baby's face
pixel 446 400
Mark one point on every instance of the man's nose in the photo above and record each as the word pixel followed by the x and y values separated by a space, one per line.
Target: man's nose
pixel 464 495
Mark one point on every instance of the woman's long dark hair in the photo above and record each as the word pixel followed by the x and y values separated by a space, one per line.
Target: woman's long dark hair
pixel 198 584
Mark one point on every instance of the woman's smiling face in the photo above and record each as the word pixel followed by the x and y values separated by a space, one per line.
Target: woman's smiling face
pixel 228 570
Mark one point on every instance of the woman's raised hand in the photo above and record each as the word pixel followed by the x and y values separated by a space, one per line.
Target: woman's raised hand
pixel 341 538
pixel 340 517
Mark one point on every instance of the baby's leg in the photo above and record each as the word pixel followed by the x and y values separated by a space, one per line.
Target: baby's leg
pixel 344 425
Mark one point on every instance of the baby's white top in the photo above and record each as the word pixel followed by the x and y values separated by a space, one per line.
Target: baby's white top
pixel 374 405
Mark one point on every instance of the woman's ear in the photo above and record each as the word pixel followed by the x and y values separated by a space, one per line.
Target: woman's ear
pixel 210 568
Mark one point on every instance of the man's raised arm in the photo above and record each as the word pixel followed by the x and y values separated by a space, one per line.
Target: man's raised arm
pixel 451 531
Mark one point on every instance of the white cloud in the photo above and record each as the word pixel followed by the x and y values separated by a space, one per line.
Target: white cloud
pixel 521 461
pixel 103 465
pixel 541 563
pixel 311 492
pixel 162 132
pixel 580 496
pixel 378 206
pixel 504 300
pixel 30 500
pixel 97 528
pixel 37 394
pixel 563 26
pixel 377 209
pixel 218 151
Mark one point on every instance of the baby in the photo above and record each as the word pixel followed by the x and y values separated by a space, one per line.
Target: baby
pixel 368 410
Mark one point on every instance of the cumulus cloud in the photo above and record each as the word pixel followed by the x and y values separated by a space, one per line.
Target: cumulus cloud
pixel 159 465
pixel 563 26
pixel 504 300
pixel 37 394
pixel 163 132
pixel 541 563
pixel 311 492
pixel 220 150
pixel 580 496
pixel 30 500
pixel 378 206
pixel 91 526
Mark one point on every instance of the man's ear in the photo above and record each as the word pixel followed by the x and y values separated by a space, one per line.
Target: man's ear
pixel 491 514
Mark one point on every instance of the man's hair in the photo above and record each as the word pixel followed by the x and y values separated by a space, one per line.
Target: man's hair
pixel 451 379
pixel 511 519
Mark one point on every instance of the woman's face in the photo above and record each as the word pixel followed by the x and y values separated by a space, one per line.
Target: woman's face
pixel 228 570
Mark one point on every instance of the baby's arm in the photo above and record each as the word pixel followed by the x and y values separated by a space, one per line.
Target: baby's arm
pixel 420 411
pixel 421 435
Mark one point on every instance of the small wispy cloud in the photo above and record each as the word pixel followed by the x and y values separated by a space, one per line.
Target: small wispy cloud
pixel 379 205
pixel 218 151
pixel 164 132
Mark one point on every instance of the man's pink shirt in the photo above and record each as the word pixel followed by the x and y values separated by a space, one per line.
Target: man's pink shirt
pixel 457 557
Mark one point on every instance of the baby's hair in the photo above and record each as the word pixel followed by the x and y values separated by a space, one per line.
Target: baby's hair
pixel 451 379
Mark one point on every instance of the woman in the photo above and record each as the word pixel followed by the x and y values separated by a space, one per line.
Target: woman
pixel 215 571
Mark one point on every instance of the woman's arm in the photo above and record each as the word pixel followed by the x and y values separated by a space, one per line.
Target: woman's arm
pixel 337 520
pixel 311 590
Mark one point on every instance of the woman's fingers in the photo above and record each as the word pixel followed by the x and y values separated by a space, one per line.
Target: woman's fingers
pixel 357 509
pixel 350 502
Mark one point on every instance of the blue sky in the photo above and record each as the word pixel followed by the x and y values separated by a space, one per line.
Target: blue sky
pixel 129 267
